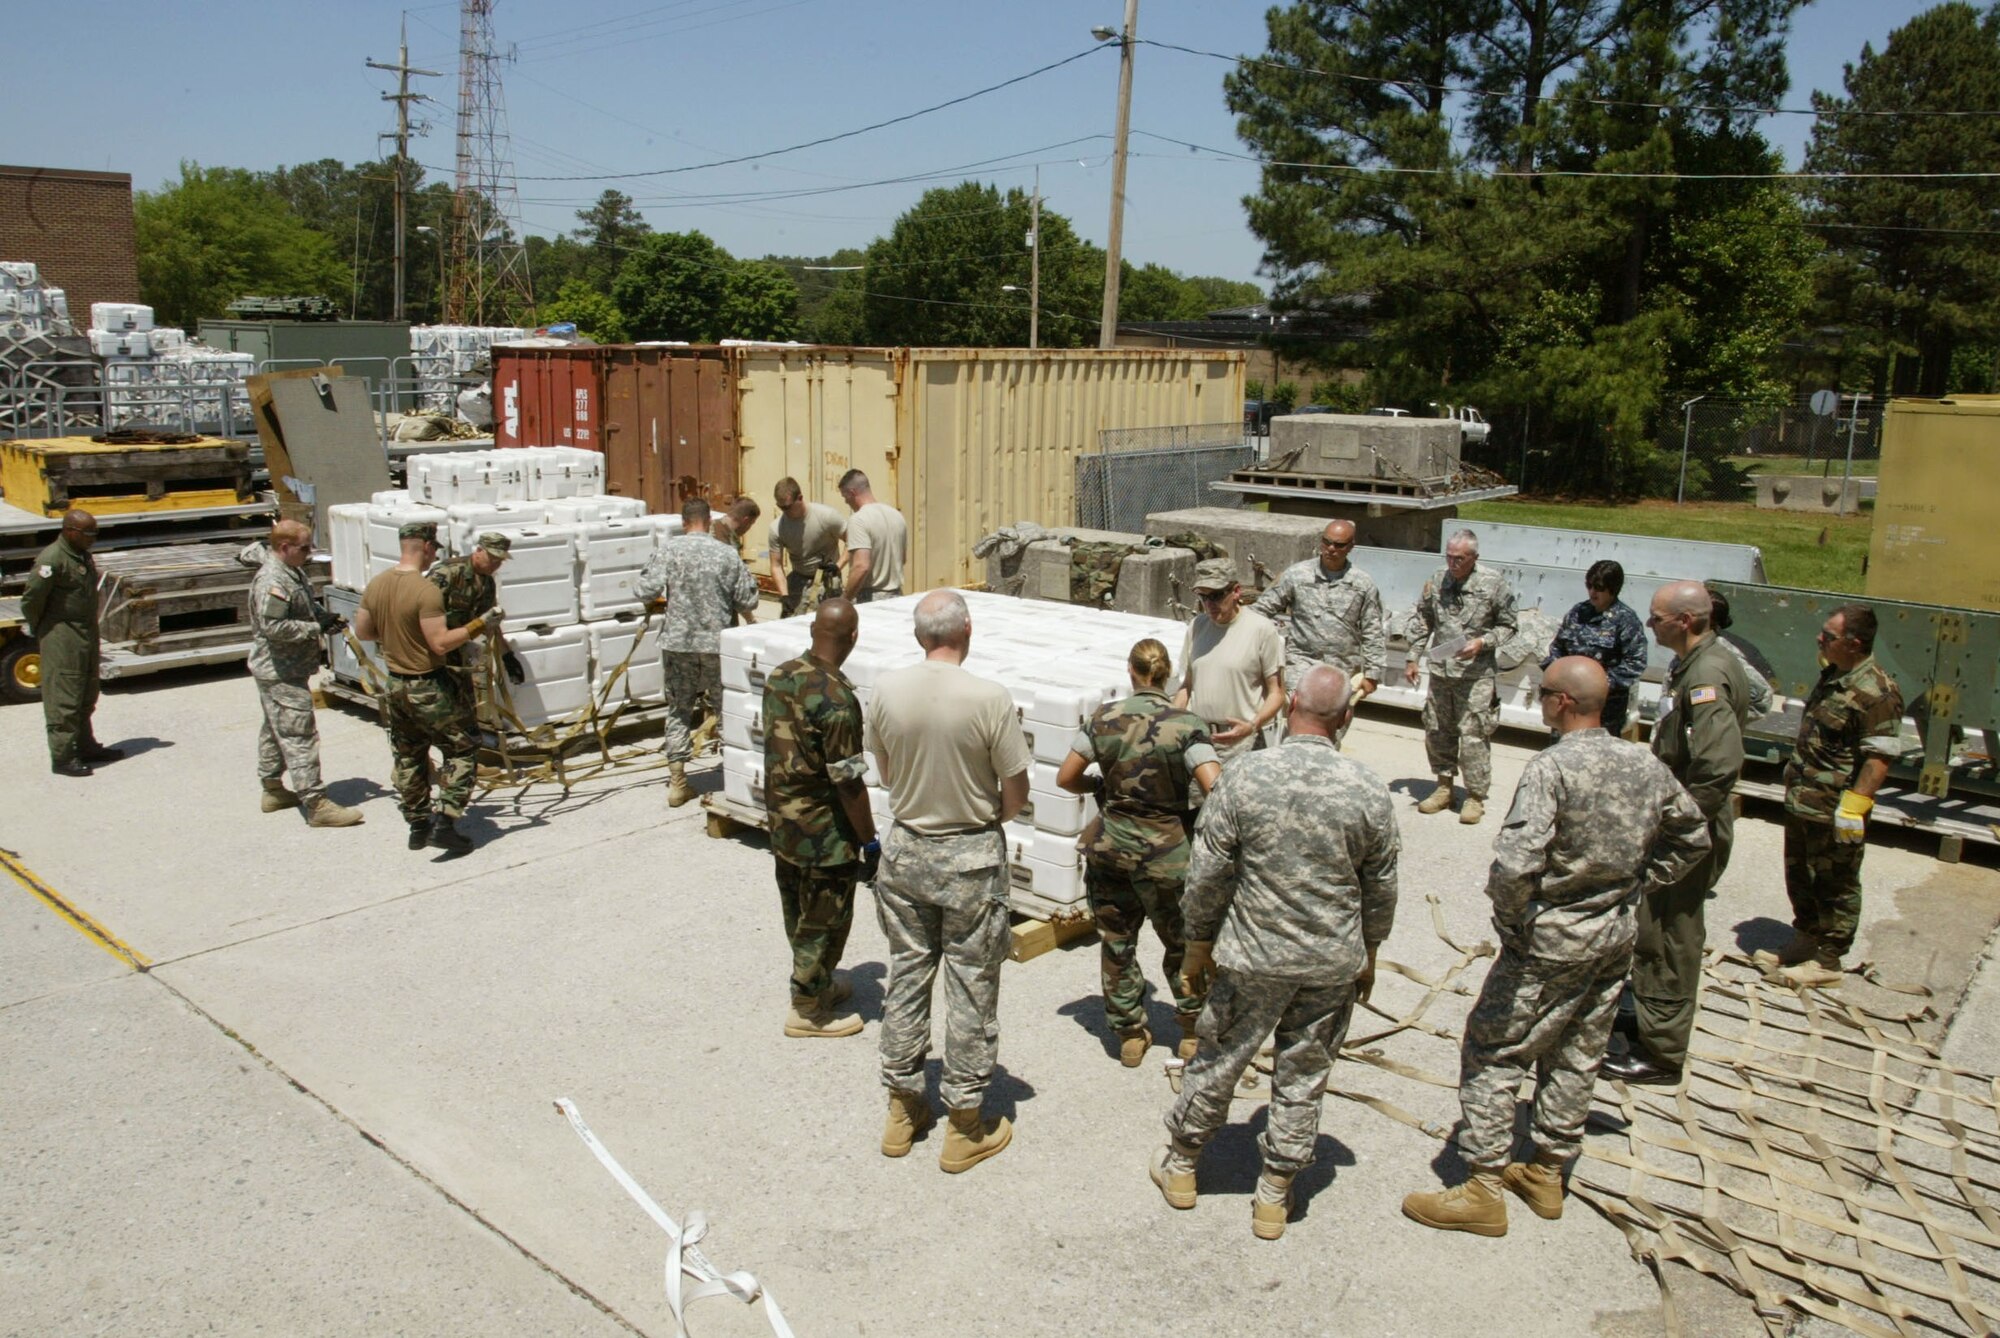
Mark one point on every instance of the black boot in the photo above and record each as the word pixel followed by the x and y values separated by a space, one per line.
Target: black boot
pixel 420 833
pixel 1639 1066
pixel 98 752
pixel 445 835
pixel 69 768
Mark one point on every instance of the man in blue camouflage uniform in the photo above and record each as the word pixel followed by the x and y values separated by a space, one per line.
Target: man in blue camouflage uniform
pixel 822 830
pixel 1291 890
pixel 288 627
pixel 1336 615
pixel 705 586
pixel 1595 822
pixel 1847 740
pixel 1466 610
pixel 1604 628
pixel 1149 757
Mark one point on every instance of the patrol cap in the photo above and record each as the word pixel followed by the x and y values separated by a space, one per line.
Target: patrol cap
pixel 1214 574
pixel 418 529
pixel 496 544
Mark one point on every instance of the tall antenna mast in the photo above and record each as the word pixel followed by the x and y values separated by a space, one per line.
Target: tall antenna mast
pixel 489 280
pixel 402 97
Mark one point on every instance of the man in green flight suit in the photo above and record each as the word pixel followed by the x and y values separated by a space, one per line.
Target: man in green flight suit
pixel 60 608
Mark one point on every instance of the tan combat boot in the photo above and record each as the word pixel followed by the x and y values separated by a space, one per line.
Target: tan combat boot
pixel 1821 973
pixel 909 1115
pixel 1539 1184
pixel 1271 1207
pixel 971 1139
pixel 1176 1184
pixel 277 798
pixel 1438 800
pixel 1132 1046
pixel 678 789
pixel 1189 1041
pixel 815 1017
pixel 1475 1206
pixel 323 812
pixel 1472 810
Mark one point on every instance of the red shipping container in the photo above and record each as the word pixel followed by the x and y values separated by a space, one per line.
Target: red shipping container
pixel 549 396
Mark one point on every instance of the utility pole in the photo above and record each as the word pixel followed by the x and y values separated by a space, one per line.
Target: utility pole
pixel 402 97
pixel 1107 326
pixel 1035 265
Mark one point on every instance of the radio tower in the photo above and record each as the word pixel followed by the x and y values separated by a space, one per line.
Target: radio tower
pixel 489 267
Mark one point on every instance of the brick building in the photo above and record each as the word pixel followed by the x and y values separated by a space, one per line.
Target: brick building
pixel 77 226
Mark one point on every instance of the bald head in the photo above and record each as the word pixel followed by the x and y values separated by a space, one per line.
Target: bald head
pixel 1681 613
pixel 1582 680
pixel 1320 701
pixel 835 629
pixel 1336 541
pixel 80 528
pixel 1689 597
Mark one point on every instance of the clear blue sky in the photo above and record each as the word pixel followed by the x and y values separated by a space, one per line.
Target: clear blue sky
pixel 635 85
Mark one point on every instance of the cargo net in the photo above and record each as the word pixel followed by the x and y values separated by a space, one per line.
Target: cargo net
pixel 1820 1157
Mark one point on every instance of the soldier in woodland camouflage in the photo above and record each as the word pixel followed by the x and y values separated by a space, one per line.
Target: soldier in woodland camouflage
pixel 1291 889
pixel 1847 740
pixel 1470 610
pixel 1595 821
pixel 1148 755
pixel 288 628
pixel 1336 614
pixel 470 588
pixel 705 586
pixel 822 829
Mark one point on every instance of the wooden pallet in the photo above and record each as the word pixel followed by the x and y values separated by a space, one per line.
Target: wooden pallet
pixel 56 474
pixel 183 597
pixel 1328 483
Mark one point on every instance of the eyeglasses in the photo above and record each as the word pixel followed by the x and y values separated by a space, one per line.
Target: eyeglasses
pixel 1336 543
pixel 1210 596
pixel 1827 638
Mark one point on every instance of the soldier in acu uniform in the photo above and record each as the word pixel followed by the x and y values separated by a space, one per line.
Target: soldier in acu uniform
pixel 1336 615
pixel 705 585
pixel 1291 889
pixel 1469 608
pixel 289 627
pixel 1149 756
pixel 822 830
pixel 1595 822
pixel 1699 735
pixel 1846 742
pixel 60 609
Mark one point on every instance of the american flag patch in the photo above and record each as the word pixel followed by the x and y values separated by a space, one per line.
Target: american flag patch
pixel 1701 696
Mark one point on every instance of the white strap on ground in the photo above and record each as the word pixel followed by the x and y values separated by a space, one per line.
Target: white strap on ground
pixel 685 1261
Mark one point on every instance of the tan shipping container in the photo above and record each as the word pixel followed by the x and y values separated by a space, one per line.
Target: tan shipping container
pixel 962 441
pixel 1937 495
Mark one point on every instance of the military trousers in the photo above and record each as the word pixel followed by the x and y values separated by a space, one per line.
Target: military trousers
pixel 1666 959
pixel 693 684
pixel 1295 669
pixel 1122 903
pixel 288 738
pixel 805 592
pixel 425 712
pixel 1242 1009
pixel 942 903
pixel 1823 880
pixel 1551 1018
pixel 1460 715
pixel 69 690
pixel 818 906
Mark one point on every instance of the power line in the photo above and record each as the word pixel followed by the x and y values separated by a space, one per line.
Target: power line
pixel 828 139
pixel 660 28
pixel 1728 109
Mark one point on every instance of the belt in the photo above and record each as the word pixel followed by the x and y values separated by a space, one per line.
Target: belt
pixel 432 673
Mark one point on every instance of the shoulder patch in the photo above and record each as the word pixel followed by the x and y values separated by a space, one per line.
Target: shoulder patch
pixel 1702 696
pixel 47 571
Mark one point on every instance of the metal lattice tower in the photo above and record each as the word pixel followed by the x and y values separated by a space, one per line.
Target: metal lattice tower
pixel 489 282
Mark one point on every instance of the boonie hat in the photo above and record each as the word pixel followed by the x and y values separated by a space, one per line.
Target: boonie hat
pixel 418 529
pixel 1214 574
pixel 496 544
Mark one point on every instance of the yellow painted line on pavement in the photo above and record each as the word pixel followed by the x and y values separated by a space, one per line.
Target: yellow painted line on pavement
pixel 79 920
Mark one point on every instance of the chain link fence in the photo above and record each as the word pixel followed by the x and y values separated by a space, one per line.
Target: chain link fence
pixel 1714 450
pixel 1137 471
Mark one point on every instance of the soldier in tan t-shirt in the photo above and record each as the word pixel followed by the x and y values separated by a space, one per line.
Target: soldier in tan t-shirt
pixel 878 542
pixel 1235 661
pixel 951 751
pixel 805 548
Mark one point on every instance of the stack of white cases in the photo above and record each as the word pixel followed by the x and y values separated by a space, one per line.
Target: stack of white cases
pixel 570 584
pixel 1060 663
pixel 28 306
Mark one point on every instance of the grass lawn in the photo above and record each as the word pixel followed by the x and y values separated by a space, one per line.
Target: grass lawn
pixel 1828 463
pixel 1807 552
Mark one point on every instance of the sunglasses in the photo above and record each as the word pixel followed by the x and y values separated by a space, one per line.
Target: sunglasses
pixel 1336 543
pixel 1547 693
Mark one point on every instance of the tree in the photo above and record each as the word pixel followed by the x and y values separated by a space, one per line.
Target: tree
pixel 760 301
pixel 672 286
pixel 829 295
pixel 938 277
pixel 612 227
pixel 220 233
pixel 1579 299
pixel 596 316
pixel 1913 262
pixel 557 262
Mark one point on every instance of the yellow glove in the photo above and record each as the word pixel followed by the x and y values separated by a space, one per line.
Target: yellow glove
pixel 1198 967
pixel 474 628
pixel 1850 826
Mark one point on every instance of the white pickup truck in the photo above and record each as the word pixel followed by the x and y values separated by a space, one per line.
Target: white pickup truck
pixel 1472 424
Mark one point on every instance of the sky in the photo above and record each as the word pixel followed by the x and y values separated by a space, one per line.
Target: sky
pixel 597 87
